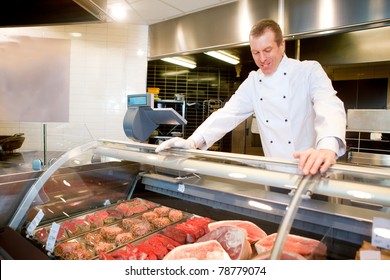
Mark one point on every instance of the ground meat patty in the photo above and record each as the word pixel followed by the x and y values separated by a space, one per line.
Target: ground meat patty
pixel 110 233
pixel 103 247
pixel 175 215
pixel 161 222
pixel 150 216
pixel 123 238
pixel 93 238
pixel 162 211
pixel 137 226
pixel 80 254
pixel 65 249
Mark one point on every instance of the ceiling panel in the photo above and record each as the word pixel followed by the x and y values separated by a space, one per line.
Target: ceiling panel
pixel 192 6
pixel 145 12
pixel 154 10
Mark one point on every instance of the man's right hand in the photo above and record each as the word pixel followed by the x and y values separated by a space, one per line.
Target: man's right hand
pixel 176 142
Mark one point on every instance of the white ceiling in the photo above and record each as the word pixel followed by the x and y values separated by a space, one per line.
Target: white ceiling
pixel 148 12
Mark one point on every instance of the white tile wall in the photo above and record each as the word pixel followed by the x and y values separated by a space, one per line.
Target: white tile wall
pixel 108 61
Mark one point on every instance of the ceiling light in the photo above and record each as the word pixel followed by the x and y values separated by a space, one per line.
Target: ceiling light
pixel 118 12
pixel 224 56
pixel 180 61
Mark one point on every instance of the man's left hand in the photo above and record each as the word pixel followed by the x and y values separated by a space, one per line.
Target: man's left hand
pixel 311 161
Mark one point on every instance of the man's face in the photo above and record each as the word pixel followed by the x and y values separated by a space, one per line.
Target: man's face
pixel 266 53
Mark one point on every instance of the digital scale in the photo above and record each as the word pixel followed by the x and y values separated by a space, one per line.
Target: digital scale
pixel 141 118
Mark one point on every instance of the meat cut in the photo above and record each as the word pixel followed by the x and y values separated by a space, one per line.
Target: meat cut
pixel 254 233
pixel 208 250
pixel 233 239
pixel 307 247
pixel 188 231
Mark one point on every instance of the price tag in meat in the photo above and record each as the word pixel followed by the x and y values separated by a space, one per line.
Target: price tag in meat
pixel 181 187
pixel 51 239
pixel 381 233
pixel 35 222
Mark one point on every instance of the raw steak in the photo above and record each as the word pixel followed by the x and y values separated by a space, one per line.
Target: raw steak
pixel 307 247
pixel 254 233
pixel 208 250
pixel 233 239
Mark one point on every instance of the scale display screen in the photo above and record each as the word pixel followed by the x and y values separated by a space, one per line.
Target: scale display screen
pixel 138 100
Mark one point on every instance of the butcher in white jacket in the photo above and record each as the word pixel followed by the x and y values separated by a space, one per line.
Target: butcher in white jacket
pixel 297 111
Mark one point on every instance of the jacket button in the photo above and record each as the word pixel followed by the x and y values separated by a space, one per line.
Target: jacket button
pixel 285 73
pixel 266 120
pixel 261 99
pixel 289 142
pixel 271 141
pixel 260 81
pixel 284 96
pixel 285 120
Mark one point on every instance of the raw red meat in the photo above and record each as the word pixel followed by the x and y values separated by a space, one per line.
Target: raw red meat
pixel 102 214
pixel 254 232
pixel 159 248
pixel 138 208
pixel 169 243
pixel 200 222
pixel 193 232
pixel 118 255
pixel 42 235
pixel 61 235
pixel 176 234
pixel 233 239
pixel 82 224
pixel 208 250
pixel 307 247
pixel 124 208
pixel 94 221
pixel 70 228
pixel 152 253
pixel 113 215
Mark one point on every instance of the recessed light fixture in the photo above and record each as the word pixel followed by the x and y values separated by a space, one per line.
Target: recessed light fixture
pixel 118 11
pixel 224 56
pixel 180 61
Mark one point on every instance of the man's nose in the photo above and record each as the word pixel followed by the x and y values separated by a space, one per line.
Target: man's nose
pixel 262 57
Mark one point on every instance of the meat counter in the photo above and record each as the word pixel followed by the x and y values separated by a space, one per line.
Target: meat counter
pixel 339 209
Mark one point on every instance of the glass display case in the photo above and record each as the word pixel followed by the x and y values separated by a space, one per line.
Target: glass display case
pixel 51 211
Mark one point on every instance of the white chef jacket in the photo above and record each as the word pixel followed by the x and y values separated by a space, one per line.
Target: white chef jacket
pixel 296 108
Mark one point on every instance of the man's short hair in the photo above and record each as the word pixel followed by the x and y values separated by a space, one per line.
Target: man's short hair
pixel 263 25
